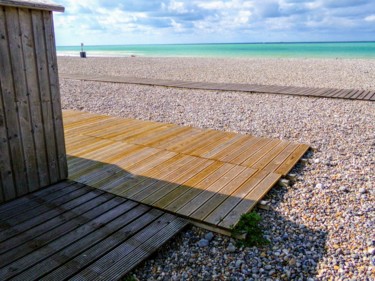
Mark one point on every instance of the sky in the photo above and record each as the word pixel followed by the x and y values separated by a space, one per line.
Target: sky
pixel 123 22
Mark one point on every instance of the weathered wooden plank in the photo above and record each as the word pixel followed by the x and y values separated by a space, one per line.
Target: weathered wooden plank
pixel 97 149
pixel 141 181
pixel 269 156
pixel 55 94
pixel 45 97
pixel 143 244
pixel 180 139
pixel 363 95
pixel 227 150
pixel 212 145
pixel 186 192
pixel 165 192
pixel 179 182
pixel 289 163
pixel 220 147
pixel 106 171
pixel 342 93
pixel 35 201
pixel 11 118
pixel 38 5
pixel 143 132
pixel 369 95
pixel 373 96
pixel 280 158
pixel 103 156
pixel 125 169
pixel 28 216
pixel 273 89
pixel 7 185
pixel 111 233
pixel 249 201
pixel 178 177
pixel 22 101
pixel 87 231
pixel 102 249
pixel 31 74
pixel 195 137
pixel 212 136
pixel 217 215
pixel 91 146
pixel 1 189
pixel 219 197
pixel 240 149
pixel 133 127
pixel 174 131
pixel 86 122
pixel 349 94
pixel 356 95
pixel 59 226
pixel 46 219
pixel 120 178
pixel 25 200
pixel 208 190
pixel 250 161
pixel 150 185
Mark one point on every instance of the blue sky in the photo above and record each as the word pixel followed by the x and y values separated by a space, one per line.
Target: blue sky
pixel 101 22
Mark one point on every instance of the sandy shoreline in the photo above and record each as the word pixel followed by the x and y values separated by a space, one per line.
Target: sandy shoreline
pixel 322 226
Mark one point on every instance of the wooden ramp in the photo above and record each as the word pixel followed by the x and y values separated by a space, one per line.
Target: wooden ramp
pixel 69 231
pixel 208 176
pixel 353 94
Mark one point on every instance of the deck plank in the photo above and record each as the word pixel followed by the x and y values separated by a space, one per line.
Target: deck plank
pixel 199 174
pixel 272 89
pixel 96 233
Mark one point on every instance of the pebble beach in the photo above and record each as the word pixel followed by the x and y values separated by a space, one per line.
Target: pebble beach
pixel 322 226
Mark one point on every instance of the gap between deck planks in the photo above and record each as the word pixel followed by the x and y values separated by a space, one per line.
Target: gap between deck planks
pixel 207 176
pixel 367 95
pixel 69 231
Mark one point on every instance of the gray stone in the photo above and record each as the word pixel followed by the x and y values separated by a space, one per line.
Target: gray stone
pixel 203 243
pixel 343 189
pixel 239 263
pixel 268 267
pixel 231 248
pixel 362 190
pixel 209 236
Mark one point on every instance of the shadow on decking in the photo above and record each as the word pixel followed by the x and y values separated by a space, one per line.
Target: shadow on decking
pixel 294 250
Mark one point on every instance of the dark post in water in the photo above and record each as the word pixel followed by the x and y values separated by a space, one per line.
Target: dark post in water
pixel 82 53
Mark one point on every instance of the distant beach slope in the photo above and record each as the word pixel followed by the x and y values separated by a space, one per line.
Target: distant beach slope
pixel 330 73
pixel 271 50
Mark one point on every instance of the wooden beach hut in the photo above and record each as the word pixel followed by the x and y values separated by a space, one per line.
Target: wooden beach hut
pixel 32 147
pixel 56 231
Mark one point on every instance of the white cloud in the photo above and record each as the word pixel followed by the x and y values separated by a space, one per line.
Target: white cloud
pixel 178 7
pixel 179 21
pixel 370 18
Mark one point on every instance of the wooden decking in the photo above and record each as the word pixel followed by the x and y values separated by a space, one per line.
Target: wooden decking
pixel 69 231
pixel 208 176
pixel 353 94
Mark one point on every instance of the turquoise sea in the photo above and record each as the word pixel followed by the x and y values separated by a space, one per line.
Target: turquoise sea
pixel 271 50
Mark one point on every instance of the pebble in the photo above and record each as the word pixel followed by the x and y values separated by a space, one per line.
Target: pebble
pixel 231 248
pixel 209 236
pixel 328 232
pixel 362 190
pixel 239 263
pixel 203 243
pixel 343 189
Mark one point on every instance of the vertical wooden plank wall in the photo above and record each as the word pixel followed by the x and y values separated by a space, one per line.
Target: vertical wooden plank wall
pixel 32 146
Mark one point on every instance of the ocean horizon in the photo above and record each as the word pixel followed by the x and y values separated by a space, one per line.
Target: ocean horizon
pixel 359 50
